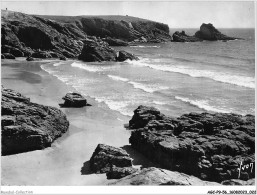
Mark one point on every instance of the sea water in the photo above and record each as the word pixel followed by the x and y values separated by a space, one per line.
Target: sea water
pixel 176 78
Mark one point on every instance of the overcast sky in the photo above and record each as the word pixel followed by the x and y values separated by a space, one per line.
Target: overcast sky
pixel 190 14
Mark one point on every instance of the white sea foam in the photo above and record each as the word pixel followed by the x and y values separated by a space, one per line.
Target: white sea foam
pixel 147 88
pixel 238 80
pixel 58 63
pixel 159 103
pixel 86 67
pixel 143 46
pixel 203 104
pixel 49 70
pixel 116 105
pixel 117 78
pixel 140 62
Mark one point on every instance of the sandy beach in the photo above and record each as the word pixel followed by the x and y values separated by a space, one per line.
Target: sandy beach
pixel 61 164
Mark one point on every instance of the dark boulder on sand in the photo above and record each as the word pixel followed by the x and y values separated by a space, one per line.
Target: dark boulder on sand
pixel 28 126
pixel 63 58
pixel 209 32
pixel 74 100
pixel 183 37
pixel 105 157
pixel 30 58
pixel 156 176
pixel 123 56
pixel 209 146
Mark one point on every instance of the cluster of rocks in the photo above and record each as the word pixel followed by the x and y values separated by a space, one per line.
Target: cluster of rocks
pixel 183 37
pixel 206 32
pixel 28 126
pixel 117 164
pixel 98 50
pixel 214 147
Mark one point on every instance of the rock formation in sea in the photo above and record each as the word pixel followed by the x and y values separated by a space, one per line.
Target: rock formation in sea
pixel 74 100
pixel 209 32
pixel 23 34
pixel 123 55
pixel 183 37
pixel 97 50
pixel 28 126
pixel 211 146
pixel 156 176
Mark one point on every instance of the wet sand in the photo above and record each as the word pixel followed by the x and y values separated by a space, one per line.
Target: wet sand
pixel 61 164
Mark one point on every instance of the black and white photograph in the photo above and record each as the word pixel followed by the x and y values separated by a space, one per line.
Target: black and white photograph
pixel 128 93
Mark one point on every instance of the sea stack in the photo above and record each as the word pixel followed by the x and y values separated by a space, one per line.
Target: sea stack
pixel 209 32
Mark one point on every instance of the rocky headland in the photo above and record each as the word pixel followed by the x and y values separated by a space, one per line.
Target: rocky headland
pixel 28 126
pixel 63 36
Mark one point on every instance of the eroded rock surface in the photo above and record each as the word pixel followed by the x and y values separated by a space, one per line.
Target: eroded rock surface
pixel 105 157
pixel 74 100
pixel 209 146
pixel 209 32
pixel 119 172
pixel 28 126
pixel 97 50
pixel 156 176
pixel 23 34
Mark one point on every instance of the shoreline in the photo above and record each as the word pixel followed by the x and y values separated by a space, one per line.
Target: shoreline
pixel 61 163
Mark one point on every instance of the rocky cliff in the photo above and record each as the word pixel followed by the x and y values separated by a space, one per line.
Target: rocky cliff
pixel 23 34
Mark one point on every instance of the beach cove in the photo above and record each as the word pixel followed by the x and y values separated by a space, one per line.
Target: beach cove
pixel 60 164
